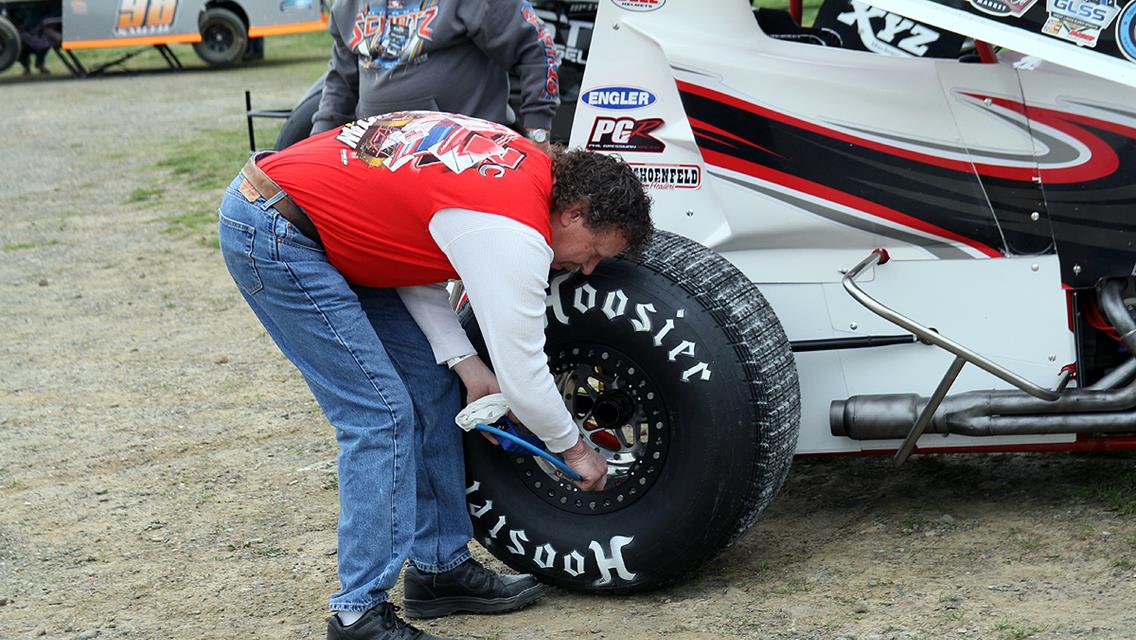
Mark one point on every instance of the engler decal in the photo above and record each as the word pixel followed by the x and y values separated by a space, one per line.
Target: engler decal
pixel 620 98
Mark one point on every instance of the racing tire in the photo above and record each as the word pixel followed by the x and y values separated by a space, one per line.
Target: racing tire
pixel 298 125
pixel 224 38
pixel 676 369
pixel 9 44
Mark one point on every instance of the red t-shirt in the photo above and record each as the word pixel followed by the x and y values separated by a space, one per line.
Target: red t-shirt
pixel 372 186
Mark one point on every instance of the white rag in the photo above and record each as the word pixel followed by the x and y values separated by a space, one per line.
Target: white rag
pixel 485 410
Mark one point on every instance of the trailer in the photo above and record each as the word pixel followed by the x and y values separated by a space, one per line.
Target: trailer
pixel 904 229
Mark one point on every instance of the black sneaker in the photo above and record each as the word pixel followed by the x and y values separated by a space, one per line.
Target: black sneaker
pixel 468 587
pixel 380 623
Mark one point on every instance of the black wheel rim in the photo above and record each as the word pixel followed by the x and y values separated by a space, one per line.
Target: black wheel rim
pixel 218 38
pixel 620 413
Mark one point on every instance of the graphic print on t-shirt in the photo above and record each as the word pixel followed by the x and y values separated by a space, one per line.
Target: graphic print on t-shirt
pixel 392 32
pixel 424 138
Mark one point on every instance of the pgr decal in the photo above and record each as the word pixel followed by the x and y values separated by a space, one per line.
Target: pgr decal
pixel 422 139
pixel 887 33
pixel 668 176
pixel 605 555
pixel 664 330
pixel 618 98
pixel 625 134
pixel 1126 31
pixel 639 5
pixel 141 17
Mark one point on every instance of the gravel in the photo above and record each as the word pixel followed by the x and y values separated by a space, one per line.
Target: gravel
pixel 165 473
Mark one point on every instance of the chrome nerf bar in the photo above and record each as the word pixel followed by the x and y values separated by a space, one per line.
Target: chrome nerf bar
pixel 880 256
pixel 962 355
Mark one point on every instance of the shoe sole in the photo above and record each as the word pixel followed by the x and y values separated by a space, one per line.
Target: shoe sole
pixel 439 607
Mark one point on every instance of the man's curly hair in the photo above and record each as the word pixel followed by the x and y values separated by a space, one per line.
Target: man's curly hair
pixel 616 199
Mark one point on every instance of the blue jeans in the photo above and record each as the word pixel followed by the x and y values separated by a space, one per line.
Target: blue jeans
pixel 401 473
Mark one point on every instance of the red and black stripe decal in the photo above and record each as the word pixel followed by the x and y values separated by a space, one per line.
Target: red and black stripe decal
pixel 985 205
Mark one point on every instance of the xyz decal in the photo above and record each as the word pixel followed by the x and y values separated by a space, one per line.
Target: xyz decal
pixel 625 134
pixel 422 139
pixel 881 36
pixel 387 34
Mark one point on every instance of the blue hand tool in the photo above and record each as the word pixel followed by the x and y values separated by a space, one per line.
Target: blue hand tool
pixel 513 441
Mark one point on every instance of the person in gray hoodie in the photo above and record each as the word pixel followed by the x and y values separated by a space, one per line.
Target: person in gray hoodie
pixel 439 55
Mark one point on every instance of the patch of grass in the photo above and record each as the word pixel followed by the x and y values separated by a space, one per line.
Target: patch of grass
pixel 1113 486
pixel 194 221
pixel 21 246
pixel 145 194
pixel 1024 540
pixel 913 522
pixel 208 160
pixel 1013 631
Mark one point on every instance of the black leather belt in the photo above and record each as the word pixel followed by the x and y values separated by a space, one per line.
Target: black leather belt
pixel 264 187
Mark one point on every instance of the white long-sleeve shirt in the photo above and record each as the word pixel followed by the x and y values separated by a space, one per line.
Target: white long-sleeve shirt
pixel 504 267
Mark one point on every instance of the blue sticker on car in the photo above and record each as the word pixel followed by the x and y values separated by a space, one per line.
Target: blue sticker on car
pixel 618 98
pixel 1126 31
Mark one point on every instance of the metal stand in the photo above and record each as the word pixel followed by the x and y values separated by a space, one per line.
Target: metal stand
pixel 261 113
pixel 79 70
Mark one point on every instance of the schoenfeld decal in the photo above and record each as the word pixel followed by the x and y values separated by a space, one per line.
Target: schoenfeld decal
pixel 1126 31
pixel 620 98
pixel 668 176
pixel 625 134
pixel 639 5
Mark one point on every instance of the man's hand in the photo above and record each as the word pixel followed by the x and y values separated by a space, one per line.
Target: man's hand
pixel 479 381
pixel 589 464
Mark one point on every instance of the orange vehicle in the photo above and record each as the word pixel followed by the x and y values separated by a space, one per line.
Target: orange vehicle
pixel 222 32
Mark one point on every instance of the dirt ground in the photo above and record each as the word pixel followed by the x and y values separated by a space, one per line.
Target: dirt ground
pixel 164 472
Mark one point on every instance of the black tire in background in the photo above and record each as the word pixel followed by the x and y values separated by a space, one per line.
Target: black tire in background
pixel 9 44
pixel 299 124
pixel 224 37
pixel 684 379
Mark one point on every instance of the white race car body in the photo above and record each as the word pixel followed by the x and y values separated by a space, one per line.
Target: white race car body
pixel 996 189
